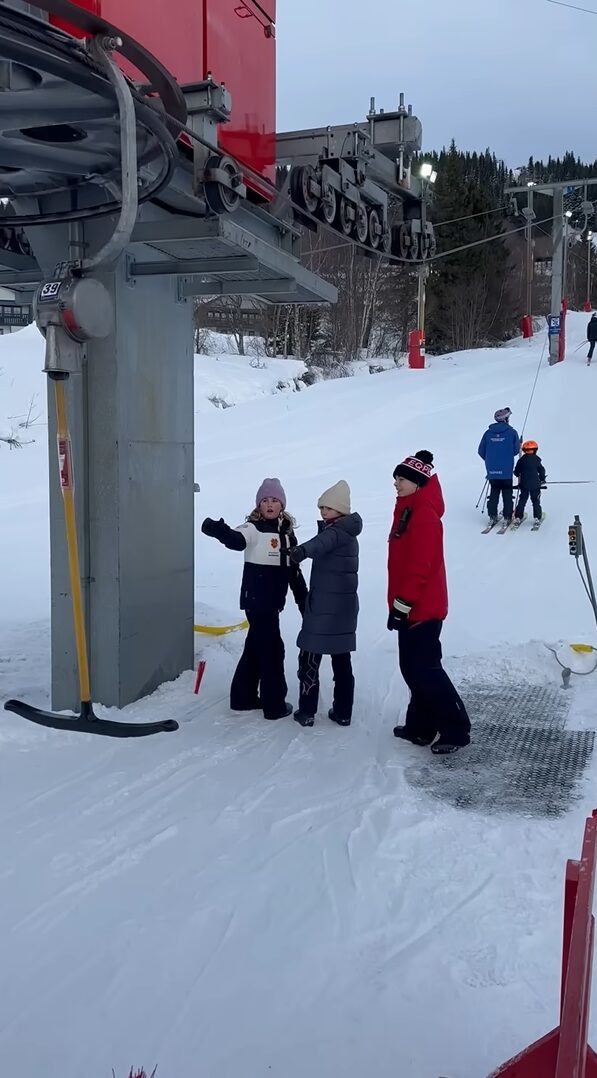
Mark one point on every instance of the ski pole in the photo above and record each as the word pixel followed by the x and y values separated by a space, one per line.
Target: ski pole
pixel 482 494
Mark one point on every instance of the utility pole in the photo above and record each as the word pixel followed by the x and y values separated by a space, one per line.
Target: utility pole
pixel 567 217
pixel 529 213
pixel 423 274
pixel 556 319
pixel 557 267
pixel 589 253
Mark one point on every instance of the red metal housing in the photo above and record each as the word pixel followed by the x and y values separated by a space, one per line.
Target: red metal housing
pixel 234 39
pixel 565 1052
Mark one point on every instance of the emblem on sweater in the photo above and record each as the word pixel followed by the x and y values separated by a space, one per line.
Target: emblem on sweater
pixel 274 543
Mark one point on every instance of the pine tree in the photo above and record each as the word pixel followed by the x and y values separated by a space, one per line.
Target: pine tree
pixel 467 295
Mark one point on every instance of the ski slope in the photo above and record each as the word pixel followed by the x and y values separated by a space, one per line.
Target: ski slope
pixel 246 898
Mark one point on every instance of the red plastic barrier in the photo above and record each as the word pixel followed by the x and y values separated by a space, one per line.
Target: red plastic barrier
pixel 565 1053
pixel 416 349
pixel 526 326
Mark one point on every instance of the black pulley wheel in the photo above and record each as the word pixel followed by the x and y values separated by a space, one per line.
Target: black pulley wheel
pixel 302 179
pixel 374 229
pixel 345 216
pixel 329 202
pixel 221 198
pixel 361 224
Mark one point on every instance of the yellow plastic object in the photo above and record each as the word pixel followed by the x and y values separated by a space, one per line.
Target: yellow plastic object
pixel 582 647
pixel 220 630
pixel 68 500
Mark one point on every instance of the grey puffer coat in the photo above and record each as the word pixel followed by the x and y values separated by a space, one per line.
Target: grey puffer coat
pixel 331 612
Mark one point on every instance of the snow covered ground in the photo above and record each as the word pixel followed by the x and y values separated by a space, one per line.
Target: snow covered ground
pixel 243 898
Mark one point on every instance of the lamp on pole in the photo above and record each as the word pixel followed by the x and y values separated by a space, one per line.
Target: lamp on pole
pixel 567 217
pixel 428 177
pixel 529 214
pixel 589 253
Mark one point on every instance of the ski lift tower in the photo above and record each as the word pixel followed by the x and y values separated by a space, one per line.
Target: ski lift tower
pixel 137 154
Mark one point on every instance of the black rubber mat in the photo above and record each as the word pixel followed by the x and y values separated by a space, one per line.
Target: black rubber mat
pixel 521 760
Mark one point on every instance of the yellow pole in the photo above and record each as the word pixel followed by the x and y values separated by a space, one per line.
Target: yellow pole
pixel 68 499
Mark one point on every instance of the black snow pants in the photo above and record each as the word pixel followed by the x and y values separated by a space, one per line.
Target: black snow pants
pixel 523 497
pixel 503 487
pixel 308 673
pixel 435 707
pixel 591 349
pixel 259 680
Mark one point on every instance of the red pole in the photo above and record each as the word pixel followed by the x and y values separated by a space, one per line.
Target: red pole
pixel 199 678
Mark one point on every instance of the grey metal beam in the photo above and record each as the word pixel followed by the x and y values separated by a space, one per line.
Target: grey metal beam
pixel 175 229
pixel 14 279
pixel 14 261
pixel 234 264
pixel 275 287
pixel 551 186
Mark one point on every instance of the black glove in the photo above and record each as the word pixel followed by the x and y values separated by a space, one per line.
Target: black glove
pixel 297 554
pixel 212 527
pixel 399 612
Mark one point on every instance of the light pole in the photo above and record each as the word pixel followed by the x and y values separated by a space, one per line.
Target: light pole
pixel 567 217
pixel 589 253
pixel 529 213
pixel 428 176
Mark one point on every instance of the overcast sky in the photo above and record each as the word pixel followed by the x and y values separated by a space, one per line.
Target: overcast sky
pixel 519 76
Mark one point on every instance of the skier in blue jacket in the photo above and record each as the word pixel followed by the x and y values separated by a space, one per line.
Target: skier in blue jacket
pixel 499 446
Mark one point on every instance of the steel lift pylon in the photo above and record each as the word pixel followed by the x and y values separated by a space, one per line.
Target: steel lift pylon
pixel 118 200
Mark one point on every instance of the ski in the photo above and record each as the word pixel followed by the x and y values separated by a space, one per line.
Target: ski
pixel 515 525
pixel 505 527
pixel 489 528
pixel 538 524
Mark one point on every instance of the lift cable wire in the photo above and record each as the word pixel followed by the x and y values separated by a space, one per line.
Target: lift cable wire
pixel 533 389
pixel 436 224
pixel 573 7
pixel 469 217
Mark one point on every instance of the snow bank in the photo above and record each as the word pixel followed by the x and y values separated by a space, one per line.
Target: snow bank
pixel 224 380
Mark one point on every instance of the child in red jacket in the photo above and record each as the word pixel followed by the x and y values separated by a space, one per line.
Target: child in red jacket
pixel 418 605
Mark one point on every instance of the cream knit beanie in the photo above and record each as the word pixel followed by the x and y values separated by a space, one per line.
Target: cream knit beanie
pixel 337 497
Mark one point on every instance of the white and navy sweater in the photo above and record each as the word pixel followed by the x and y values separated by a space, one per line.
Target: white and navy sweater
pixel 268 571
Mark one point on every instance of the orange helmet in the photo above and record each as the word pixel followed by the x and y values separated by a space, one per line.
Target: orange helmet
pixel 529 447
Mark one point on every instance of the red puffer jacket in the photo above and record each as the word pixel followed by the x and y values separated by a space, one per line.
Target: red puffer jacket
pixel 416 569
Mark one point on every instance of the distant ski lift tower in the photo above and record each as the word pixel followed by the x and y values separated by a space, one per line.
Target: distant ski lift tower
pixel 557 317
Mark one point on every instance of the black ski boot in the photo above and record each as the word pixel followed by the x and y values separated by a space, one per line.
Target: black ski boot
pixel 446 748
pixel 339 722
pixel 287 710
pixel 404 735
pixel 303 719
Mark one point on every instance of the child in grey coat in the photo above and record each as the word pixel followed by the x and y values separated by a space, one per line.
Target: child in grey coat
pixel 331 611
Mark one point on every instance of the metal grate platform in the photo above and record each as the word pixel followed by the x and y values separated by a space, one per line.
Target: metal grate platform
pixel 521 760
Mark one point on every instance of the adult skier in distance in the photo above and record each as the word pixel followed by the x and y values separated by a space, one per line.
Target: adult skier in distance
pixel 592 336
pixel 498 448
